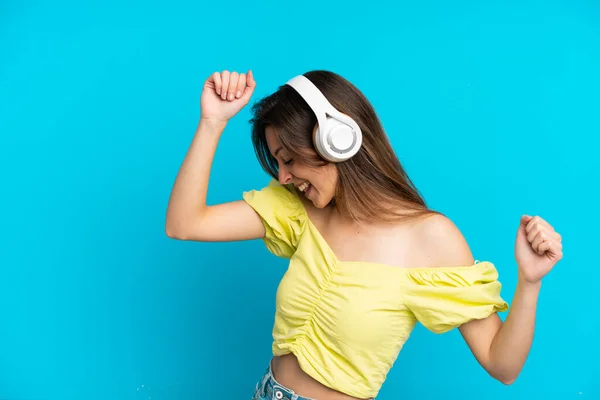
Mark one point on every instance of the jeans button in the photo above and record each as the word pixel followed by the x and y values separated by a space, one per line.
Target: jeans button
pixel 279 394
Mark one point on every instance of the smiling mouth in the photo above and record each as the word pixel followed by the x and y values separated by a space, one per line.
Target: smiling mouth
pixel 304 187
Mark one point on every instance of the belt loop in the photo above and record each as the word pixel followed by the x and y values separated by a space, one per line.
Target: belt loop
pixel 263 383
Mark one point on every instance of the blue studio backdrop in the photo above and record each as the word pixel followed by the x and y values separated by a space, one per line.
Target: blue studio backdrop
pixel 491 106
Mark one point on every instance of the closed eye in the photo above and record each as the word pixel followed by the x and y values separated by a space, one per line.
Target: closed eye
pixel 289 162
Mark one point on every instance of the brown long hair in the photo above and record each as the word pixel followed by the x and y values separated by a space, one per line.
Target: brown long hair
pixel 372 185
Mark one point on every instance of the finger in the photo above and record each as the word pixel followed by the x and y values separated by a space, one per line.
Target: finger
pixel 557 250
pixel 250 79
pixel 543 225
pixel 553 235
pixel 233 82
pixel 240 86
pixel 541 228
pixel 533 222
pixel 525 219
pixel 250 86
pixel 537 221
pixel 225 78
pixel 539 239
pixel 543 243
pixel 544 247
pixel 551 247
pixel 558 245
pixel 537 224
pixel 216 78
pixel 533 234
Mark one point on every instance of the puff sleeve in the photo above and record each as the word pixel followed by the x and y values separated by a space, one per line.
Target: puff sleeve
pixel 283 216
pixel 444 298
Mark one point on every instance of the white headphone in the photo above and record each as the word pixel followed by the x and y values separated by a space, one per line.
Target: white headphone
pixel 337 137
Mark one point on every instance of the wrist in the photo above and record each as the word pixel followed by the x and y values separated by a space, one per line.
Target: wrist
pixel 528 285
pixel 211 124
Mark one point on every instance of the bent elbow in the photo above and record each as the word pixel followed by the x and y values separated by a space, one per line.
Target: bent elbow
pixel 171 233
pixel 508 382
pixel 505 379
pixel 185 226
pixel 175 232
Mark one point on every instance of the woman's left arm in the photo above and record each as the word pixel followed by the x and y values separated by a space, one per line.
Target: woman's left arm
pixel 502 348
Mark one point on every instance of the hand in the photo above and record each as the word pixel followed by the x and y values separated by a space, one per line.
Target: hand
pixel 537 249
pixel 225 94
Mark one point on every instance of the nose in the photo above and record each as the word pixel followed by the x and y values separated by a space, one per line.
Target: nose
pixel 284 176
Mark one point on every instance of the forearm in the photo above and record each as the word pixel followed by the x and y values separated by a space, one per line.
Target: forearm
pixel 188 196
pixel 511 345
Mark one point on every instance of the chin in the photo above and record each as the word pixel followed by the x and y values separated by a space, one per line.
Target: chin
pixel 321 203
pixel 318 199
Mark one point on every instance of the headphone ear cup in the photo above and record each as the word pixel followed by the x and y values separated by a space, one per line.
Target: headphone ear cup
pixel 337 136
pixel 318 142
pixel 340 137
pixel 336 141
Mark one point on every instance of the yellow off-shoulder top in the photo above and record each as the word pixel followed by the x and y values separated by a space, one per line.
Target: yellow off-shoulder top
pixel 346 322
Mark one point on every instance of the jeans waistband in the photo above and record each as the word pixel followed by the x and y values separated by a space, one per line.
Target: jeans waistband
pixel 269 389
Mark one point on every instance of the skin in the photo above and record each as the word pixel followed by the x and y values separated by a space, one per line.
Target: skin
pixel 323 180
pixel 500 348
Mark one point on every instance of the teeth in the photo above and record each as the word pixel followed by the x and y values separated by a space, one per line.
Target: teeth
pixel 303 187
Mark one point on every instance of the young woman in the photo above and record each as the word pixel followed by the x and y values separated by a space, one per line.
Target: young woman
pixel 368 258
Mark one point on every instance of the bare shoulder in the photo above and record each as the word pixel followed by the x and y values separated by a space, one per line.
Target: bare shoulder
pixel 440 243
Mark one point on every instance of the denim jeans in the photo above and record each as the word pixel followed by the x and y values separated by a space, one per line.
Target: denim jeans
pixel 269 389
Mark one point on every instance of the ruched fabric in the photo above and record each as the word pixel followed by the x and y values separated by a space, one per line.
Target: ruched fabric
pixel 346 322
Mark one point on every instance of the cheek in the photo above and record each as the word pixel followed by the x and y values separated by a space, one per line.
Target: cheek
pixel 302 171
pixel 332 176
pixel 324 179
pixel 328 180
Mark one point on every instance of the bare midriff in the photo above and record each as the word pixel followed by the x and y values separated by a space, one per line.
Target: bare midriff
pixel 288 373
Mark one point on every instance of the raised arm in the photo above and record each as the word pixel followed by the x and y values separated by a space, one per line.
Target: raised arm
pixel 500 348
pixel 503 348
pixel 188 216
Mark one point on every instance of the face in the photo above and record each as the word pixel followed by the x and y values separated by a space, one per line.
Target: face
pixel 317 184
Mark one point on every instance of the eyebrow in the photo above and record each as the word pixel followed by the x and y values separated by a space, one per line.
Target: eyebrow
pixel 276 152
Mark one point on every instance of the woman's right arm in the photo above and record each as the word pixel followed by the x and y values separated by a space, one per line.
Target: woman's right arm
pixel 188 215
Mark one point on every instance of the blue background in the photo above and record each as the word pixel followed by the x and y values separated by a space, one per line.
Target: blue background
pixel 492 107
